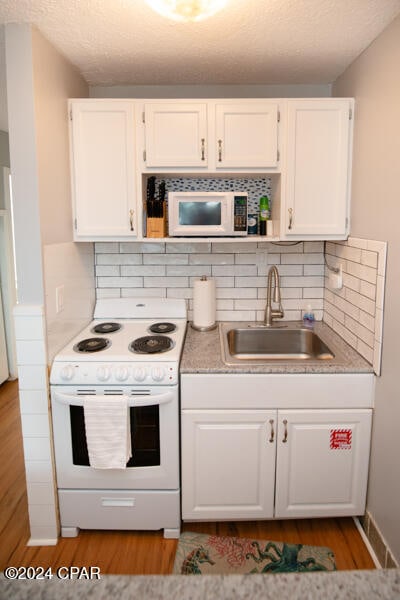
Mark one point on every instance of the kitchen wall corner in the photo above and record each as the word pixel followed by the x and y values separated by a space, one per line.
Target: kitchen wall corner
pixel 355 311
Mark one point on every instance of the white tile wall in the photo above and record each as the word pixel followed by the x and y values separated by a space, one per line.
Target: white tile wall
pixel 239 269
pixel 36 432
pixel 169 270
pixel 70 265
pixel 356 310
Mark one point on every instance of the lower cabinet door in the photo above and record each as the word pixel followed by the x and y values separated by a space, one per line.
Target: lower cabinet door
pixel 322 462
pixel 228 464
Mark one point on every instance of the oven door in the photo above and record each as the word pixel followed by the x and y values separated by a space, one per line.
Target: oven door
pixel 155 439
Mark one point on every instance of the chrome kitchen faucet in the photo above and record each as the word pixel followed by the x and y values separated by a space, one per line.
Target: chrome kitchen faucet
pixel 271 314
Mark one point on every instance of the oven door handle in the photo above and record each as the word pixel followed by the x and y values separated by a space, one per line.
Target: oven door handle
pixel 133 401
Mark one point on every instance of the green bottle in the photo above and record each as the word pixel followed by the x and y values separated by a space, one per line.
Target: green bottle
pixel 264 214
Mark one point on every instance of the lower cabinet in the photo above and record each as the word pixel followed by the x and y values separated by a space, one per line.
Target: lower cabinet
pixel 261 464
pixel 228 464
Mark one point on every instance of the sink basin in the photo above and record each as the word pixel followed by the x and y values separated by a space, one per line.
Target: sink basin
pixel 259 344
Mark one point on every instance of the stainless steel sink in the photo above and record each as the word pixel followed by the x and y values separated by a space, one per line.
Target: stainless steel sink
pixel 258 344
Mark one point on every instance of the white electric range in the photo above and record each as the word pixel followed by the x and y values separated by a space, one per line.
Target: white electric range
pixel 131 349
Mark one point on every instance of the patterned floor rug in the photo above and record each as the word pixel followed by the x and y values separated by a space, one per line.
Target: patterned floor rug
pixel 200 554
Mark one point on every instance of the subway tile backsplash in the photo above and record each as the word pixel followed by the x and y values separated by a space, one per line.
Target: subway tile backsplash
pixel 239 269
pixel 158 269
pixel 356 310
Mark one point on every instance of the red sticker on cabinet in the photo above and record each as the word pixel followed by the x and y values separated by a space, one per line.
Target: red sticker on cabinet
pixel 341 439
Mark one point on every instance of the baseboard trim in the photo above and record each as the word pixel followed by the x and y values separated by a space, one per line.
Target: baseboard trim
pixel 42 542
pixel 367 543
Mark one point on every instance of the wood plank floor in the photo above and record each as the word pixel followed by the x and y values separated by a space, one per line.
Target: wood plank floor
pixel 136 553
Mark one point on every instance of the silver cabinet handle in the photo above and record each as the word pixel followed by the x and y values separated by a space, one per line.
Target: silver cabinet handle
pixel 290 217
pixel 203 149
pixel 285 434
pixel 131 213
pixel 272 436
pixel 219 150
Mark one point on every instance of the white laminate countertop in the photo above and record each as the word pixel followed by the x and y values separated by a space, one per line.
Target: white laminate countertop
pixel 202 354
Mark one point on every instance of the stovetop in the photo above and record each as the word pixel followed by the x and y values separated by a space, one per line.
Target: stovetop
pixel 117 349
pixel 119 342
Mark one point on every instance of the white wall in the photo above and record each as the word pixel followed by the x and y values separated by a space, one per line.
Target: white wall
pixel 373 79
pixel 39 83
pixel 3 83
pixel 211 91
pixel 21 121
pixel 65 263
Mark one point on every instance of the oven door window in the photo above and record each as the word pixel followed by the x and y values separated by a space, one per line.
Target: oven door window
pixel 145 434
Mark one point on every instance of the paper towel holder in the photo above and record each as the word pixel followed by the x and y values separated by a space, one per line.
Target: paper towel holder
pixel 198 327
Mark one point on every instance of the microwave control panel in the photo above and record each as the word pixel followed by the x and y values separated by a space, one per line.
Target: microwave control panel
pixel 240 213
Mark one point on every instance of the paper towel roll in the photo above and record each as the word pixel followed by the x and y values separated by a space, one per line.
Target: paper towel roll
pixel 204 304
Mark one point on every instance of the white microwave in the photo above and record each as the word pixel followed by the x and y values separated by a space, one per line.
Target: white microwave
pixel 207 214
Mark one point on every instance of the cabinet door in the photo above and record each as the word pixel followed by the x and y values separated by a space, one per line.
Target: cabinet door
pixel 322 462
pixel 318 168
pixel 176 135
pixel 246 135
pixel 228 464
pixel 103 168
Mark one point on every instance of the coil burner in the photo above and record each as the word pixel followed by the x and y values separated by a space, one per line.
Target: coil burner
pixel 151 344
pixel 92 345
pixel 106 328
pixel 162 327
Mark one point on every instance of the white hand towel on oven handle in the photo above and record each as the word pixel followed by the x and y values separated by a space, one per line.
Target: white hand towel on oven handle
pixel 108 431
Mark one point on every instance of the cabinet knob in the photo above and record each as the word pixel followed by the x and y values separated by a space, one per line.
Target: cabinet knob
pixel 272 434
pixel 285 433
pixel 203 149
pixel 131 213
pixel 219 150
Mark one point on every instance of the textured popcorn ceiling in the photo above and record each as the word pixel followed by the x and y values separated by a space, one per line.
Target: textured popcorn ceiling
pixel 116 42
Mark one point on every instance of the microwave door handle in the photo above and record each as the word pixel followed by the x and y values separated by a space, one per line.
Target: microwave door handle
pixel 133 401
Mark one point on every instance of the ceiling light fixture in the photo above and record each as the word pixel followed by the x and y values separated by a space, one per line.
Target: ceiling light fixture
pixel 187 10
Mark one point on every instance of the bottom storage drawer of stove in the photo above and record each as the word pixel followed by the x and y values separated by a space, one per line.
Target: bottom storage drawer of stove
pixel 113 509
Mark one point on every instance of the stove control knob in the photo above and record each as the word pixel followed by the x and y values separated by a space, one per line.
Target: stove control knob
pixel 67 373
pixel 103 373
pixel 158 373
pixel 139 374
pixel 121 374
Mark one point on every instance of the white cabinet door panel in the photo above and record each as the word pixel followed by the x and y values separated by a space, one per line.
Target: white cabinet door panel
pixel 317 183
pixel 103 168
pixel 246 135
pixel 228 464
pixel 322 467
pixel 176 134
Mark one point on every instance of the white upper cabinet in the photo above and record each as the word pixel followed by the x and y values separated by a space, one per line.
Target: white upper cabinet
pixel 176 134
pixel 103 169
pixel 318 158
pixel 246 135
pixel 303 145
